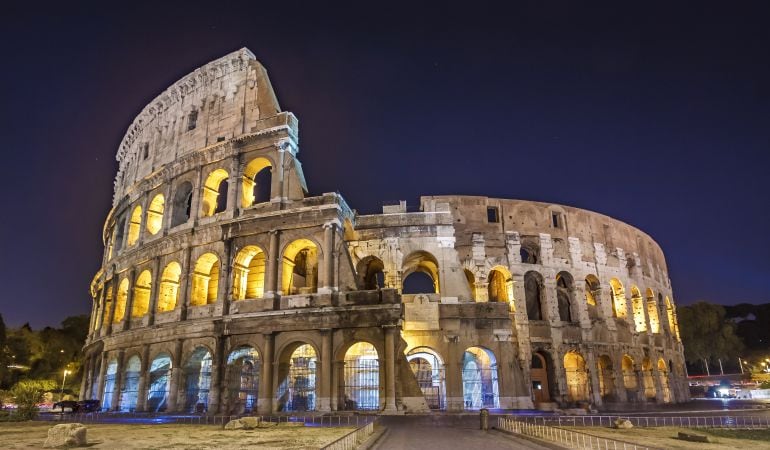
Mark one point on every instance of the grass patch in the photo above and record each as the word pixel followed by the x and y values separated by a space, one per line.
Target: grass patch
pixel 762 435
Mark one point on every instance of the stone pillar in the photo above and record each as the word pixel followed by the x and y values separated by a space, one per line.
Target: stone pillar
pixel 153 306
pixel 390 369
pixel 195 203
pixel 222 306
pixel 453 372
pixel 218 361
pixel 102 373
pixel 87 366
pixel 174 386
pixel 129 299
pixel 592 367
pixel 327 275
pixel 271 271
pixel 114 286
pixel 265 397
pixel 185 284
pixel 144 376
pixel 656 381
pixel 119 380
pixel 234 187
pixel 99 322
pixel 324 402
pixel 338 376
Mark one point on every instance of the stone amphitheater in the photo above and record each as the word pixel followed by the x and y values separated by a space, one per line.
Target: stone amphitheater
pixel 226 288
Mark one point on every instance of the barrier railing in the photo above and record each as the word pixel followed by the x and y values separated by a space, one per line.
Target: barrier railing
pixel 353 439
pixel 653 421
pixel 151 418
pixel 562 437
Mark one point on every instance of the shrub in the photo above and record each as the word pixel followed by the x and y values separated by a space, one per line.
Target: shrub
pixel 28 393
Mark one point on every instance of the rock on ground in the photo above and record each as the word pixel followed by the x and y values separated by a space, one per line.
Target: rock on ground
pixel 623 424
pixel 66 434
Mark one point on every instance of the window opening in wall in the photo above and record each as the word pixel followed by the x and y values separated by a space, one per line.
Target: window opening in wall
pixel 527 256
pixel 557 220
pixel 192 120
pixel 221 139
pixel 180 211
pixel 146 151
pixel 493 215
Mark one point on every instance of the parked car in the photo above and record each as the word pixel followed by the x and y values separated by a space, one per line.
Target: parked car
pixel 64 405
pixel 89 405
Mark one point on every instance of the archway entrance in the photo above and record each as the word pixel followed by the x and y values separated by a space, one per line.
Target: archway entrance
pixel 428 369
pixel 539 375
pixel 361 390
pixel 159 380
pixel 296 391
pixel 197 374
pixel 480 379
pixel 130 389
pixel 577 377
pixel 242 380
pixel 606 378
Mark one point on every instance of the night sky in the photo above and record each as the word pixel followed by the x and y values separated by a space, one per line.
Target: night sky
pixel 658 116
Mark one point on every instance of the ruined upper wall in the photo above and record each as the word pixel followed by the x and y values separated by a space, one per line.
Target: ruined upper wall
pixel 223 99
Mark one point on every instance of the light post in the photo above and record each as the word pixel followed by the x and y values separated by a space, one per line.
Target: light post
pixel 64 378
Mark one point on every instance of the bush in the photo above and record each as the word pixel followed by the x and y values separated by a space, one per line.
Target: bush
pixel 765 385
pixel 28 393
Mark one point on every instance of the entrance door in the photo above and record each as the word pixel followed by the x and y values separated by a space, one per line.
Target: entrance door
pixel 539 375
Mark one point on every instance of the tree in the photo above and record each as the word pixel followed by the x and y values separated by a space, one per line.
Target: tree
pixel 706 334
pixel 28 393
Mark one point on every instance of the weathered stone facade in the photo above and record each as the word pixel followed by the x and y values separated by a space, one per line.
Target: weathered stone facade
pixel 226 288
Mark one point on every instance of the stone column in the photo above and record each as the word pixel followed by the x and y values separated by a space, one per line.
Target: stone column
pixel 265 397
pixel 114 286
pixel 153 306
pixel 390 369
pixel 453 375
pixel 87 366
pixel 144 376
pixel 222 306
pixel 185 284
pixel 324 403
pixel 175 401
pixel 102 374
pixel 129 299
pixel 195 203
pixel 327 275
pixel 271 271
pixel 338 376
pixel 99 321
pixel 234 187
pixel 592 367
pixel 218 362
pixel 119 380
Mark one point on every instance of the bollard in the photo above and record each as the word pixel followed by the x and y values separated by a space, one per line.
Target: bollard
pixel 484 418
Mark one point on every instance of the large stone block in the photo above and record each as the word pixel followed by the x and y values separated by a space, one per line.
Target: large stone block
pixel 66 435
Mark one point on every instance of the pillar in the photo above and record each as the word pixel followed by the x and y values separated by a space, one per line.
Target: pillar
pixel 390 369
pixel 592 366
pixel 129 299
pixel 156 278
pixel 102 374
pixel 453 371
pixel 271 271
pixel 119 380
pixel 144 376
pixel 114 286
pixel 185 285
pixel 174 386
pixel 327 279
pixel 338 377
pixel 222 306
pixel 324 402
pixel 218 362
pixel 265 397
pixel 87 366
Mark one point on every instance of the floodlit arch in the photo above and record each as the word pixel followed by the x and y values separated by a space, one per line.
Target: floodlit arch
pixel 120 302
pixel 168 294
pixel 155 214
pixel 471 279
pixel 249 273
pixel 370 273
pixel 141 299
pixel 158 383
pixel 629 375
pixel 664 381
pixel 565 286
pixel 540 374
pixel 242 380
pixel 648 379
pixel 671 314
pixel 256 182
pixel 500 287
pixel 577 377
pixel 652 311
pixel 637 304
pixel 618 299
pixel 362 378
pixel 480 389
pixel 428 369
pixel 215 193
pixel 130 388
pixel 606 378
pixel 533 293
pixel 107 303
pixel 197 381
pixel 296 390
pixel 592 293
pixel 180 208
pixel 205 280
pixel 420 262
pixel 135 226
pixel 300 267
pixel 110 376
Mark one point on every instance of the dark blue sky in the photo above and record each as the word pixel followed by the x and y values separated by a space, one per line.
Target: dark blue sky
pixel 656 115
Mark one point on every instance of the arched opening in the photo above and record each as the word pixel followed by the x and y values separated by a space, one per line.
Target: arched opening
pixel 533 293
pixel 671 314
pixel 256 182
pixel 471 279
pixel 592 292
pixel 180 208
pixel 577 377
pixel 370 273
pixel 141 299
pixel 361 390
pixel 415 267
pixel 110 376
pixel 564 291
pixel 528 254
pixel 652 311
pixel 480 379
pixel 664 381
pixel 205 280
pixel 249 273
pixel 539 374
pixel 500 287
pixel 618 299
pixel 296 390
pixel 155 214
pixel 215 193
pixel 129 390
pixel 168 294
pixel 300 267
pixel 107 304
pixel 135 226
pixel 428 369
pixel 648 379
pixel 120 301
pixel 242 380
pixel 629 377
pixel 197 380
pixel 120 231
pixel 606 378
pixel 158 383
pixel 637 304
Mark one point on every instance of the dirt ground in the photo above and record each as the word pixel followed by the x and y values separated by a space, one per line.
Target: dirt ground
pixel 666 438
pixel 26 435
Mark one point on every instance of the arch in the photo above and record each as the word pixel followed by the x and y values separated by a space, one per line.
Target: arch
pixel 480 388
pixel 529 254
pixel 120 301
pixel 576 377
pixel 648 379
pixel 141 299
pixel 471 279
pixel 592 293
pixel 256 182
pixel 421 262
pixel 158 382
pixel 664 380
pixel 108 304
pixel 110 378
pixel 168 294
pixel 629 377
pixel 135 226
pixel 618 299
pixel 249 273
pixel 637 304
pixel 652 311
pixel 297 376
pixel 300 267
pixel 673 327
pixel 119 234
pixel 361 389
pixel 182 203
pixel 500 287
pixel 205 280
pixel 606 378
pixel 130 389
pixel 540 374
pixel 197 381
pixel 370 273
pixel 533 293
pixel 565 286
pixel 428 368
pixel 155 214
pixel 214 193
pixel 244 367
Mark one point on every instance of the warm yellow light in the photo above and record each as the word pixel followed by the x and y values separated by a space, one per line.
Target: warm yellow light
pixel 155 214
pixel 252 169
pixel 134 227
pixel 205 280
pixel 211 191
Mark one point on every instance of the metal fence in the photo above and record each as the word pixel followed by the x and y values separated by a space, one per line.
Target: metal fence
pixel 353 439
pixel 652 421
pixel 562 437
pixel 146 418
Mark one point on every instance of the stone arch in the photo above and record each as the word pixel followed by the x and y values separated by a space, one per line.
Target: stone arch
pixel 158 383
pixel 541 375
pixel 529 252
pixel 618 299
pixel 249 273
pixel 534 293
pixel 648 379
pixel 637 305
pixel 500 285
pixel 606 378
pixel 129 390
pixel 242 375
pixel 479 376
pixel 428 368
pixel 419 262
pixel 110 384
pixel 592 294
pixel 141 299
pixel 370 273
pixel 361 380
pixel 197 380
pixel 155 214
pixel 576 376
pixel 652 311
pixel 214 197
pixel 565 293
pixel 665 385
pixel 135 226
pixel 630 381
pixel 297 378
pixel 120 300
pixel 300 267
pixel 671 315
pixel 256 182
pixel 168 292
pixel 182 203
pixel 471 279
pixel 205 285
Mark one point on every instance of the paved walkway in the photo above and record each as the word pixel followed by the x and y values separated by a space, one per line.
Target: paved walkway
pixel 444 433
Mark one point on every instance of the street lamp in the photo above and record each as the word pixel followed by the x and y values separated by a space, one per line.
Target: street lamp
pixel 64 378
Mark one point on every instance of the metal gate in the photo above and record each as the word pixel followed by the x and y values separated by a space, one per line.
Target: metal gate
pixel 362 385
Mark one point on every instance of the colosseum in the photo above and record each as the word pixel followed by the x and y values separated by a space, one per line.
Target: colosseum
pixel 226 288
